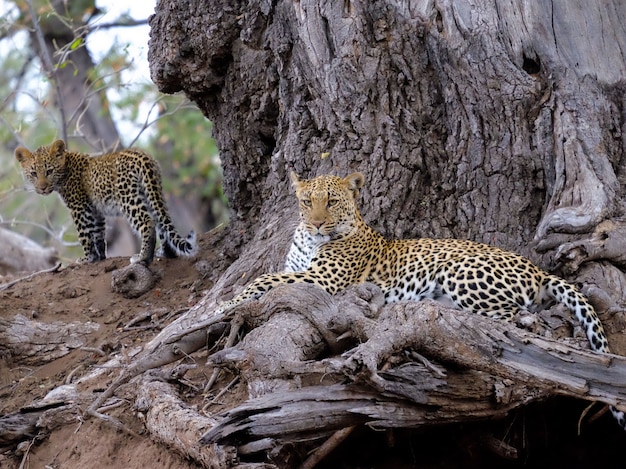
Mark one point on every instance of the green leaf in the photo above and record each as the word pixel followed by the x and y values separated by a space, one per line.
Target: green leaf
pixel 76 44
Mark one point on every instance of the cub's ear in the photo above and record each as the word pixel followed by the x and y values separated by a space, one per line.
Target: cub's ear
pixel 57 148
pixel 354 182
pixel 22 154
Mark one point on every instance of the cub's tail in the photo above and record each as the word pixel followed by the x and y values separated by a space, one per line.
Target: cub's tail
pixel 173 245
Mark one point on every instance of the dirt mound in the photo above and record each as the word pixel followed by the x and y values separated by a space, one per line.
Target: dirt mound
pixel 82 294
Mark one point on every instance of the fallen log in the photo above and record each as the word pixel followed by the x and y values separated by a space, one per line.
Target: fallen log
pixel 36 342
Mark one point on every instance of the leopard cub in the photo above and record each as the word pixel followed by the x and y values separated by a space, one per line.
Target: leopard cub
pixel 126 182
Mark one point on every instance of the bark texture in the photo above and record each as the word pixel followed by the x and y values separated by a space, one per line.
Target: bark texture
pixel 37 342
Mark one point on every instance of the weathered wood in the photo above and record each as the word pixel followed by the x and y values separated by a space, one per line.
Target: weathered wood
pixel 495 367
pixel 133 280
pixel 172 422
pixel 20 254
pixel 36 342
pixel 59 407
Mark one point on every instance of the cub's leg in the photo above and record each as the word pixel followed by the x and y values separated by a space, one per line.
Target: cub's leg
pixel 91 228
pixel 90 225
pixel 143 223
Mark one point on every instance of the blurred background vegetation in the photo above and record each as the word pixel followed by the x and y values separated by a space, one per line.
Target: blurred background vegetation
pixel 77 70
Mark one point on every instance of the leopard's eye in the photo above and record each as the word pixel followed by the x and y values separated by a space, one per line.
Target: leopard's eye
pixel 49 172
pixel 332 202
pixel 306 202
pixel 33 174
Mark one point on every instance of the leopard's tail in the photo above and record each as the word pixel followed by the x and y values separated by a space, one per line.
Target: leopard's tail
pixel 578 304
pixel 172 244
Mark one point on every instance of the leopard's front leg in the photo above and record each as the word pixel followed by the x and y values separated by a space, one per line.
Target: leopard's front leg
pixel 266 282
pixel 91 230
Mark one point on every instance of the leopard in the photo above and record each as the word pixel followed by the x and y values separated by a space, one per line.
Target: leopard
pixel 125 182
pixel 334 248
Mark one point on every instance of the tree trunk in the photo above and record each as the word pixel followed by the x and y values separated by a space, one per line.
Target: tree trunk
pixel 496 123
pixel 501 123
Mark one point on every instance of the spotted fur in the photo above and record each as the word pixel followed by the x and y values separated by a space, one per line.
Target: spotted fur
pixel 334 248
pixel 126 182
pixel 302 250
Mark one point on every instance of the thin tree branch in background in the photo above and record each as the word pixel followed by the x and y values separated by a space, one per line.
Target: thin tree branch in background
pixel 48 66
pixel 56 236
pixel 118 24
pixel 20 79
pixel 147 123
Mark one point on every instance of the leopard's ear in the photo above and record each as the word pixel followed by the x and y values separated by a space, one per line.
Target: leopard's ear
pixel 23 155
pixel 295 180
pixel 354 182
pixel 57 148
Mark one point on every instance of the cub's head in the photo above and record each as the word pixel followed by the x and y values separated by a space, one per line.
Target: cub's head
pixel 328 203
pixel 45 168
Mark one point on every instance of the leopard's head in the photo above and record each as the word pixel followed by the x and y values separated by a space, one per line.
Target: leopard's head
pixel 328 203
pixel 45 168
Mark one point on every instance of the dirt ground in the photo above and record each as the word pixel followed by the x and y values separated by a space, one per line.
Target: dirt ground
pixel 80 293
pixel 83 293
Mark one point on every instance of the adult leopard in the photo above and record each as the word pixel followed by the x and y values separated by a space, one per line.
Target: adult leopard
pixel 334 248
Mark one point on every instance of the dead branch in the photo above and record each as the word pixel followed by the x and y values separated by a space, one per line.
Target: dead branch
pixel 171 421
pixel 496 367
pixel 20 254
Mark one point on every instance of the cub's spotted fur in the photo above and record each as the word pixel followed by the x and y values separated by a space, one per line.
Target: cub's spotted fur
pixel 334 248
pixel 126 182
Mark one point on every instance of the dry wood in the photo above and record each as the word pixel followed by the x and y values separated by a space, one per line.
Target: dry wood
pixel 496 367
pixel 20 254
pixel 132 280
pixel 171 421
pixel 37 342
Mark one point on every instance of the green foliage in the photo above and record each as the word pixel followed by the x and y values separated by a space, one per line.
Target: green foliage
pixel 191 163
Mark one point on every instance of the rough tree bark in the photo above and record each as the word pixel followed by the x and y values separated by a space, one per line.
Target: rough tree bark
pixel 498 122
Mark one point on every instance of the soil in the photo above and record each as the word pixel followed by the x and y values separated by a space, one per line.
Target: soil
pixel 80 293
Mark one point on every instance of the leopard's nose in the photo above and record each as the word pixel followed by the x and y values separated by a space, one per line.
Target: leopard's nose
pixel 317 224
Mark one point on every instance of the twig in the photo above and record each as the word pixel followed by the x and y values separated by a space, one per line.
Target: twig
pixel 235 327
pixel 129 23
pixel 220 394
pixel 113 421
pixel 95 350
pixel 68 378
pixel 25 458
pixel 438 371
pixel 4 286
pixel 603 410
pixel 114 405
pixel 329 445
